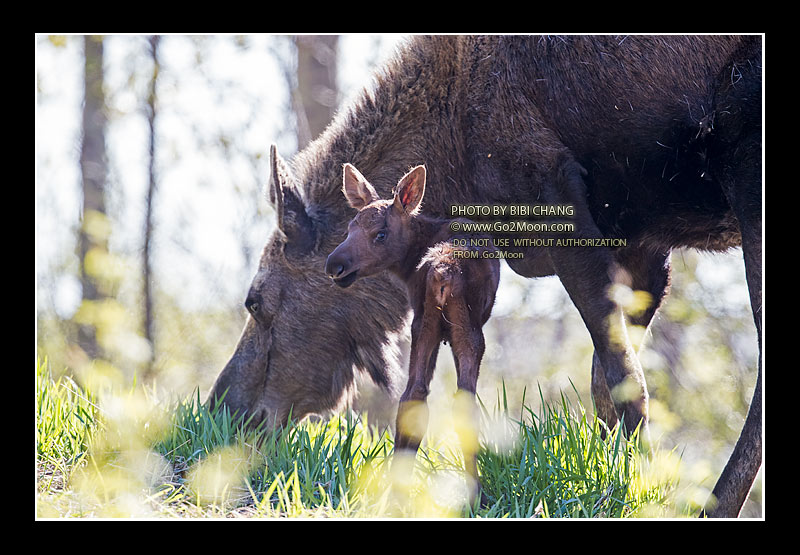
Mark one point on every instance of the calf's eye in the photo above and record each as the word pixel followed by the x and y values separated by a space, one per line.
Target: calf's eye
pixel 380 236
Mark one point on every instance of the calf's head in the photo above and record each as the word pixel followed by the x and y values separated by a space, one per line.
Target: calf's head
pixel 380 235
pixel 304 339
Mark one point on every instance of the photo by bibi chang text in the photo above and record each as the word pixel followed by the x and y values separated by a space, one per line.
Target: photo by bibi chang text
pixel 511 210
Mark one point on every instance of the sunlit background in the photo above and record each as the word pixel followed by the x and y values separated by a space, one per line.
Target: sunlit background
pixel 219 103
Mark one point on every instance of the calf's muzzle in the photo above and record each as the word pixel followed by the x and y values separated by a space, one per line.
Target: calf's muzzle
pixel 338 267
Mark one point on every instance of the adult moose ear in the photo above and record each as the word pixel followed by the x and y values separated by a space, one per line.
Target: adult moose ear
pixel 357 190
pixel 293 220
pixel 410 190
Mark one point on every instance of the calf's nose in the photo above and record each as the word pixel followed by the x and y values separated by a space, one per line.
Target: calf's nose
pixel 334 266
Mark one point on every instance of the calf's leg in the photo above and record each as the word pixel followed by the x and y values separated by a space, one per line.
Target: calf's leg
pixel 468 346
pixel 412 412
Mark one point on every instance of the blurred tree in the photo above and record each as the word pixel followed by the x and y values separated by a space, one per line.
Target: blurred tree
pixel 93 233
pixel 147 292
pixel 315 95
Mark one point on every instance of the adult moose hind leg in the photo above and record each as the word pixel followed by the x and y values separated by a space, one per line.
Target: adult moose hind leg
pixel 735 152
pixel 733 485
pixel 587 274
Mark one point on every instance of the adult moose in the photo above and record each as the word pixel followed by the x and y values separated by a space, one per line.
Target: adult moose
pixel 656 140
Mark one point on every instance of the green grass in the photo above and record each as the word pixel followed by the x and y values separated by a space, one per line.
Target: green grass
pixel 125 455
pixel 567 464
pixel 65 420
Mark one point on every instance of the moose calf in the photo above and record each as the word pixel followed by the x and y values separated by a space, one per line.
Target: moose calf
pixel 451 296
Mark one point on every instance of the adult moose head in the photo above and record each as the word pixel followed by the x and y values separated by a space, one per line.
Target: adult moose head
pixel 655 140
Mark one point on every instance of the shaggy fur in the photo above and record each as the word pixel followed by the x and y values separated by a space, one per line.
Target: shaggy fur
pixel 656 140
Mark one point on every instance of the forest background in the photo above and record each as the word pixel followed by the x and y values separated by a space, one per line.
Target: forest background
pixel 150 215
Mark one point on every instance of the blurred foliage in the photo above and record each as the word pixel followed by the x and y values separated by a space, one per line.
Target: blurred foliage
pixel 119 453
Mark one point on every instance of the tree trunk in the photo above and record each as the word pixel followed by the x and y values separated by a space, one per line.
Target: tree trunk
pixel 93 171
pixel 316 96
pixel 147 291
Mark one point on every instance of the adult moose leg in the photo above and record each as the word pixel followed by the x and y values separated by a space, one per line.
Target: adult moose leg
pixel 733 485
pixel 587 273
pixel 735 153
pixel 641 270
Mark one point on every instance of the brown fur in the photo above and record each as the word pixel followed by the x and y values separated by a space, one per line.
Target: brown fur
pixel 451 297
pixel 652 139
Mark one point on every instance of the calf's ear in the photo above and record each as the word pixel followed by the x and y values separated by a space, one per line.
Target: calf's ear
pixel 357 190
pixel 409 190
